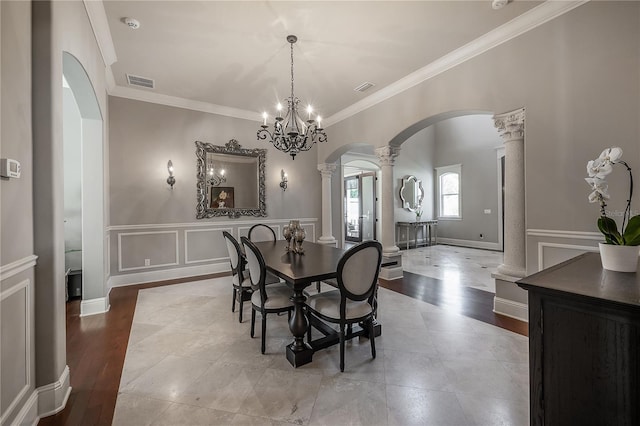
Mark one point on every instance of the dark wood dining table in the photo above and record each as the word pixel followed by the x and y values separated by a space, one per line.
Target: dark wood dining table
pixel 319 262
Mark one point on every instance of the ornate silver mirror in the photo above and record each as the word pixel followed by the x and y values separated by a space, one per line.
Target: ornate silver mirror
pixel 230 180
pixel 411 193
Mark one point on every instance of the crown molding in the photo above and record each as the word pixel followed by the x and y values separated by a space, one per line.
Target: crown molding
pixel 526 22
pixel 100 25
pixel 529 20
pixel 174 101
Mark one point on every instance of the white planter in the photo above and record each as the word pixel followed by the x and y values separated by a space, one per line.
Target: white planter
pixel 619 258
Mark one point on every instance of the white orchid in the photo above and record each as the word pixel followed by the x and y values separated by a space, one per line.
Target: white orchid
pixel 611 155
pixel 600 189
pixel 597 169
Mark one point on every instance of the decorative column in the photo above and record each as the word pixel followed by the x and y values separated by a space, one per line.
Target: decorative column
pixel 326 170
pixel 387 156
pixel 511 128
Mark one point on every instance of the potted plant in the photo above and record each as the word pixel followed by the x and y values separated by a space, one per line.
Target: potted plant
pixel 620 250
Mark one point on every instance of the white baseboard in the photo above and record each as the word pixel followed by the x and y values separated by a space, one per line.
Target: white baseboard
pixel 28 414
pixel 469 243
pixel 99 305
pixel 509 308
pixel 166 274
pixel 52 398
pixel 391 273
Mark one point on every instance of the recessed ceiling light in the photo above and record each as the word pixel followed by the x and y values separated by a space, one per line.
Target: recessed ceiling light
pixel 132 23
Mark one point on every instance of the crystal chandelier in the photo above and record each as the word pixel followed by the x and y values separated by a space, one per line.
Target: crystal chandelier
pixel 291 133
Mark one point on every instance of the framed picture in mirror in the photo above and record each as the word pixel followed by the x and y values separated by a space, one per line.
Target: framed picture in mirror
pixel 222 197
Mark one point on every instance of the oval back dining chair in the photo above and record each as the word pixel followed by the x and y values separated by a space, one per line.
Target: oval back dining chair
pixel 241 283
pixel 270 299
pixel 354 300
pixel 261 232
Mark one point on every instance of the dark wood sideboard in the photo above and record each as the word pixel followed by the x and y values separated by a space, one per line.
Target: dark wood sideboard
pixel 584 338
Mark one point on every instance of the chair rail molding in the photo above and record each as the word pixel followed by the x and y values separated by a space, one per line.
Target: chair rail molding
pixel 573 235
pixel 20 265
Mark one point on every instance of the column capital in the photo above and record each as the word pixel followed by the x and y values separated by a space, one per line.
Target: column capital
pixel 387 155
pixel 327 169
pixel 510 125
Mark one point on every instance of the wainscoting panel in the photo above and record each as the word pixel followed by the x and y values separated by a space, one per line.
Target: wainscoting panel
pixel 550 254
pixel 146 250
pixel 204 245
pixel 243 231
pixel 15 346
pixel 548 247
pixel 179 250
pixel 107 252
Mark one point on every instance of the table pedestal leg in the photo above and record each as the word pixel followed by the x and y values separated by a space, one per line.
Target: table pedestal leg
pixel 298 352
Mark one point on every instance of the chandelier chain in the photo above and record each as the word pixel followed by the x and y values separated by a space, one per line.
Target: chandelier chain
pixel 291 71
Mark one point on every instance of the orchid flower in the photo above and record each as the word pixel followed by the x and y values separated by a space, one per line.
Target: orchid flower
pixel 611 155
pixel 599 186
pixel 599 168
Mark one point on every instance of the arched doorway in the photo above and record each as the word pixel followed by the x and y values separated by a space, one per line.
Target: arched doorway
pixel 84 185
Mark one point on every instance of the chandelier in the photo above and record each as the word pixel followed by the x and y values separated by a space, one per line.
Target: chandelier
pixel 215 175
pixel 291 133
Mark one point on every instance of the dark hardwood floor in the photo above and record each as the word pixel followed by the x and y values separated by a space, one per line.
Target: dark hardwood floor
pixel 467 301
pixel 97 344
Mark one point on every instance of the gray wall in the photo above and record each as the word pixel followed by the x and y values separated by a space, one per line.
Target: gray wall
pixel 471 141
pixel 33 38
pixel 578 78
pixel 415 158
pixel 17 313
pixel 159 223
pixel 72 135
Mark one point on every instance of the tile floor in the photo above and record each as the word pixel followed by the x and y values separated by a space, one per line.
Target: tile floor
pixel 190 362
pixel 456 265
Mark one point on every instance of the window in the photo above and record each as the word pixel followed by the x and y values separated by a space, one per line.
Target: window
pixel 449 194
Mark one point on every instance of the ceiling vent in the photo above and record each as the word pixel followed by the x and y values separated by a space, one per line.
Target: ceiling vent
pixel 364 87
pixel 135 80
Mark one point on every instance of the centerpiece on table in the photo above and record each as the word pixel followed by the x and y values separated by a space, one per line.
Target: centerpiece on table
pixel 620 250
pixel 294 232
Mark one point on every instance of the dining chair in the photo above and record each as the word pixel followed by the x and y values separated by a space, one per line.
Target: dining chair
pixel 241 282
pixel 261 232
pixel 272 299
pixel 354 300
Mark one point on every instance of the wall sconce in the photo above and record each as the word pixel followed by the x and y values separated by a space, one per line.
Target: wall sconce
pixel 170 180
pixel 283 180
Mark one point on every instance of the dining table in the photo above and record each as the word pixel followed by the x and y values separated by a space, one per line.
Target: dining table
pixel 318 262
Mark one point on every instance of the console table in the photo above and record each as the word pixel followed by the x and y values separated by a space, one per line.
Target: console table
pixel 428 227
pixel 584 344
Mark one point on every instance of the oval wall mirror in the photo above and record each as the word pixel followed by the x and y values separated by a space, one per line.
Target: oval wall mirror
pixel 411 193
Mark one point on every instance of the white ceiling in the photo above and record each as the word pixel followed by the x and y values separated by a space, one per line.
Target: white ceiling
pixel 235 54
